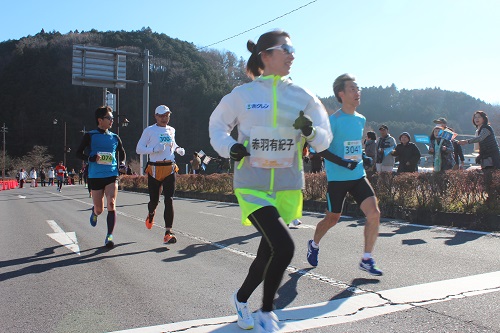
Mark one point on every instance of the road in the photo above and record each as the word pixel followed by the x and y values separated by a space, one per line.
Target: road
pixel 56 276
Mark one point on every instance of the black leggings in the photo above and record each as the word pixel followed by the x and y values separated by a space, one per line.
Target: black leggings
pixel 274 254
pixel 155 187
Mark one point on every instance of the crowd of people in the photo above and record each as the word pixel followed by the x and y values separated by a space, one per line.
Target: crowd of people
pixel 269 178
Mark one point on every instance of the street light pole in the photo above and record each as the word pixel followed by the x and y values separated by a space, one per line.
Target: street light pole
pixel 4 130
pixel 65 148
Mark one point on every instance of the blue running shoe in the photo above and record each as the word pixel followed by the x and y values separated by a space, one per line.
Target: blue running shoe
pixel 312 254
pixel 369 266
pixel 109 241
pixel 93 218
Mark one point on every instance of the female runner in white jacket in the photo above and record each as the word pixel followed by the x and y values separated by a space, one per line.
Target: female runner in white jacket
pixel 274 118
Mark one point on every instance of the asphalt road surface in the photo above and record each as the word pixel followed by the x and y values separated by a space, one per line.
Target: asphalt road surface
pixel 56 275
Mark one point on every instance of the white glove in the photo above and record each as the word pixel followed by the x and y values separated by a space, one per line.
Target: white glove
pixel 159 148
pixel 180 151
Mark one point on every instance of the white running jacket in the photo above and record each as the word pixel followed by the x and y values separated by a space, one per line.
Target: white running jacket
pixel 270 102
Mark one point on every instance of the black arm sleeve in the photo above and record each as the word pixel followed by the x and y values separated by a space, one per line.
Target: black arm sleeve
pixel 80 152
pixel 327 155
pixel 120 151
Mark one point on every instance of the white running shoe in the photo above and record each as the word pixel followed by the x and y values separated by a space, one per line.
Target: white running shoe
pixel 245 319
pixel 267 322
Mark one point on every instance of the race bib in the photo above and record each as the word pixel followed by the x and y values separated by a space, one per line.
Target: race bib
pixel 166 139
pixel 353 150
pixel 106 158
pixel 272 147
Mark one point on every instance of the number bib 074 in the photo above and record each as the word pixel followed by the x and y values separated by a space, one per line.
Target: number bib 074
pixel 106 158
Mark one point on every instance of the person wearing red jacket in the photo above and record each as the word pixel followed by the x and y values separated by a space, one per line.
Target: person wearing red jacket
pixel 60 172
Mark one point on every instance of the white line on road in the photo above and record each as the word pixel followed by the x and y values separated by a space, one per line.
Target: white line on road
pixel 67 239
pixel 349 309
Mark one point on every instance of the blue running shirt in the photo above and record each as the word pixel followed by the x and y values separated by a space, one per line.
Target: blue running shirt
pixel 347 132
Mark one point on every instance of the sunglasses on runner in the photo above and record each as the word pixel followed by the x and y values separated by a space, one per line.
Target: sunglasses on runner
pixel 287 49
pixel 108 118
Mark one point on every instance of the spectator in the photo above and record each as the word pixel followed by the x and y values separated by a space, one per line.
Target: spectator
pixel 195 163
pixel 33 176
pixel 80 176
pixel 23 175
pixel 442 150
pixel 385 145
pixel 407 154
pixel 42 177
pixel 52 175
pixel 371 147
pixel 489 154
pixel 458 154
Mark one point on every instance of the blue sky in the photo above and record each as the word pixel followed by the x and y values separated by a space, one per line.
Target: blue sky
pixel 450 44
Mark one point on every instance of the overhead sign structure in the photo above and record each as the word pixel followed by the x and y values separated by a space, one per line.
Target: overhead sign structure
pixel 106 68
pixel 99 67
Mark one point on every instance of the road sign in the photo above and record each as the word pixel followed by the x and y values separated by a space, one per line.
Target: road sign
pixel 99 67
pixel 422 138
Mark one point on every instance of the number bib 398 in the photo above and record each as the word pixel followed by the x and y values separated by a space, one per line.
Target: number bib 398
pixel 272 147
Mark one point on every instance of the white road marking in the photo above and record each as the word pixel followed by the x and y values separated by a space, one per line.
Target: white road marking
pixel 68 239
pixel 347 309
pixel 21 196
pixel 364 304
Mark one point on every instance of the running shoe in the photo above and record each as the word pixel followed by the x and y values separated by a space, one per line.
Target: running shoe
pixel 267 322
pixel 93 218
pixel 169 238
pixel 295 223
pixel 312 254
pixel 369 266
pixel 245 319
pixel 109 241
pixel 150 221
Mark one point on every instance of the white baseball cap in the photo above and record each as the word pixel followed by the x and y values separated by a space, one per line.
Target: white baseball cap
pixel 162 109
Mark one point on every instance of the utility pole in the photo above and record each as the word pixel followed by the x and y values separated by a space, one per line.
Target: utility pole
pixel 65 147
pixel 4 130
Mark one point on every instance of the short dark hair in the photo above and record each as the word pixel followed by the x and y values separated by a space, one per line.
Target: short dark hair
pixel 101 112
pixel 371 135
pixel 339 84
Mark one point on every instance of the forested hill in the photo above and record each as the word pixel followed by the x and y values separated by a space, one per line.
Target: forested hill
pixel 35 88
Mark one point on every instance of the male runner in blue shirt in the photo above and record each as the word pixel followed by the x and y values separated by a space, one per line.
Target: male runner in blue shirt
pixel 348 175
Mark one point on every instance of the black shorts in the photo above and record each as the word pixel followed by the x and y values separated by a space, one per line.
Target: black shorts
pixel 100 183
pixel 360 189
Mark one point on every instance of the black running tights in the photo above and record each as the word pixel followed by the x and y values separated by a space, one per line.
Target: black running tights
pixel 274 254
pixel 155 188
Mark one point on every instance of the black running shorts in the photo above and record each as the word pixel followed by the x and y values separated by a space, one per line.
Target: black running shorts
pixel 360 189
pixel 100 183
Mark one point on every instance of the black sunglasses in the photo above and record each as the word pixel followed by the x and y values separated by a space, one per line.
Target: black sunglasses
pixel 108 118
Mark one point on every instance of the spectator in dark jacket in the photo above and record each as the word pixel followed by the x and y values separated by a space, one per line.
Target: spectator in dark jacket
pixel 407 154
pixel 371 147
pixel 458 154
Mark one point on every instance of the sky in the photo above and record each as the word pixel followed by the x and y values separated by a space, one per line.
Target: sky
pixel 449 44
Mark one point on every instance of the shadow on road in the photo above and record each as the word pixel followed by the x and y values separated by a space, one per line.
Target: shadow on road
pixel 67 259
pixel 196 249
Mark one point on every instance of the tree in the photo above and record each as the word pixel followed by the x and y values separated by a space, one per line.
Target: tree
pixel 38 158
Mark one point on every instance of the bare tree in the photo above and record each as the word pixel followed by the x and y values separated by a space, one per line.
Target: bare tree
pixel 38 158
